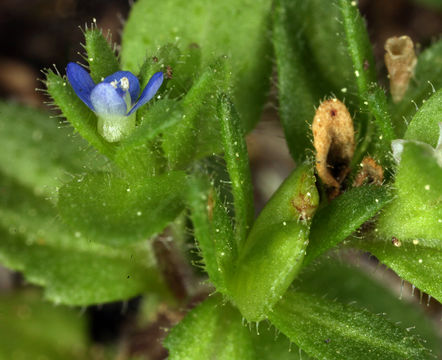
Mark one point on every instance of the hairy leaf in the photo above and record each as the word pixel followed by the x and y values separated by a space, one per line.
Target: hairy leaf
pixel 100 56
pixel 140 154
pixel 237 160
pixel 350 284
pixel 416 213
pixel 420 263
pixel 344 215
pixel 425 124
pixel 198 133
pixel 213 231
pixel 113 210
pixel 330 330
pixel 273 252
pixel 358 44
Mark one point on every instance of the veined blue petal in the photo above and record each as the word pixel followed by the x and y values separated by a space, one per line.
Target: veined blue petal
pixel 107 102
pixel 134 84
pixel 81 82
pixel 149 91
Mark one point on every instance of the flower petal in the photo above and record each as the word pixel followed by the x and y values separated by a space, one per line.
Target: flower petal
pixel 134 84
pixel 149 91
pixel 107 102
pixel 81 82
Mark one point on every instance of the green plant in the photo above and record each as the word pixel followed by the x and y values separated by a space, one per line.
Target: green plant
pixel 80 215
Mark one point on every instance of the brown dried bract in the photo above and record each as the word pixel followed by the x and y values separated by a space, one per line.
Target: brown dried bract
pixel 169 72
pixel 333 139
pixel 400 60
pixel 370 172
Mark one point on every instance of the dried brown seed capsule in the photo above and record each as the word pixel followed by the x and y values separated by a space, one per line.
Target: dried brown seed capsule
pixel 370 172
pixel 400 60
pixel 333 139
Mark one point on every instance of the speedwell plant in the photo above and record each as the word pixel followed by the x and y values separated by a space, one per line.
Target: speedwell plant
pixel 154 161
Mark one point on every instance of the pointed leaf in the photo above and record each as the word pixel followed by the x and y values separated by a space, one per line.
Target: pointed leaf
pixel 198 133
pixel 358 286
pixel 213 231
pixel 330 330
pixel 343 216
pixel 237 161
pixel 140 154
pixel 102 59
pixel 425 124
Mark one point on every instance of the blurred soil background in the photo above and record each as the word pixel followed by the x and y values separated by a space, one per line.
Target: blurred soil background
pixel 37 34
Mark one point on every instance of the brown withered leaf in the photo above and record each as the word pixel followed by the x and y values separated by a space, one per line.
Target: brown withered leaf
pixel 400 60
pixel 333 139
pixel 371 172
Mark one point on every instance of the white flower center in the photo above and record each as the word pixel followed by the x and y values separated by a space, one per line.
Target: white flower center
pixel 124 83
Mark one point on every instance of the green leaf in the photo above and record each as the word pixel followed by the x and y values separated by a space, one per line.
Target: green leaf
pixel 73 270
pixel 117 211
pixel 237 161
pixel 330 330
pixel 101 58
pixel 140 154
pixel 39 153
pixel 377 105
pixel 273 252
pixel 198 133
pixel 297 77
pixel 242 38
pixel 419 263
pixel 349 284
pixel 33 329
pixel 413 220
pixel 416 213
pixel 180 66
pixel 212 330
pixel 77 113
pixel 270 344
pixel 213 231
pixel 425 124
pixel 359 46
pixel 344 215
pixel 428 76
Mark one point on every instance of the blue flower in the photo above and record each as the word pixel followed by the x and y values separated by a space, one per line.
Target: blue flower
pixel 114 100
